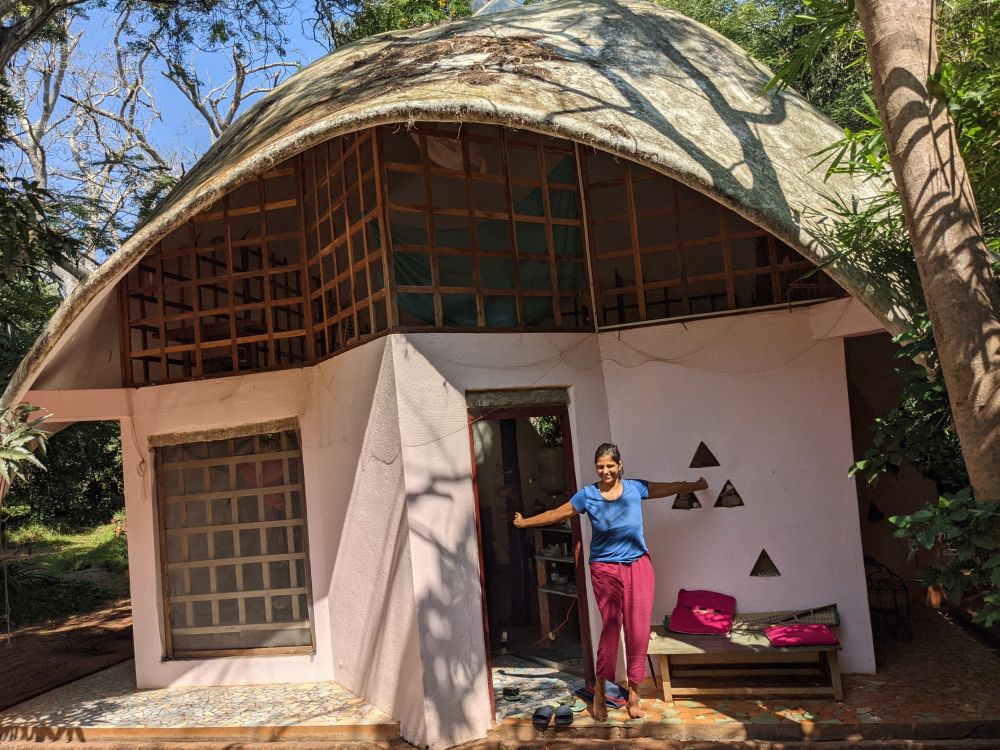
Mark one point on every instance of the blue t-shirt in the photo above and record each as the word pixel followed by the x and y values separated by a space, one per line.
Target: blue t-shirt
pixel 616 524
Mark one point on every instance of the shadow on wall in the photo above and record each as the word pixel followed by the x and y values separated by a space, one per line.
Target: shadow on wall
pixel 453 661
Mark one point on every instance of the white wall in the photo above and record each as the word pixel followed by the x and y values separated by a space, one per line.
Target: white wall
pixel 390 505
pixel 365 553
pixel 196 406
pixel 770 401
pixel 433 371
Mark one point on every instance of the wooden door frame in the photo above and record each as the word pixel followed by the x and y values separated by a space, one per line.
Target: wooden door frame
pixel 561 412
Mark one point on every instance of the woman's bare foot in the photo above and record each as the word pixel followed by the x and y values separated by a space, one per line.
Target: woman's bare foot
pixel 633 707
pixel 600 706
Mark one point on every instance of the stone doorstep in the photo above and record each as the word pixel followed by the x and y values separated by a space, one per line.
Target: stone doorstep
pixel 153 736
pixel 986 729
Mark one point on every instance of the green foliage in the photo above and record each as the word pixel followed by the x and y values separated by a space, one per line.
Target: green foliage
pixel 20 437
pixel 83 483
pixel 48 583
pixel 20 575
pixel 26 304
pixel 368 17
pixel 31 240
pixel 964 533
pixel 548 429
pixel 969 77
pixel 829 25
pixel 772 30
pixel 918 431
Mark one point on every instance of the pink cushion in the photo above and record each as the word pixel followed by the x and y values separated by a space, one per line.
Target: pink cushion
pixel 702 613
pixel 801 634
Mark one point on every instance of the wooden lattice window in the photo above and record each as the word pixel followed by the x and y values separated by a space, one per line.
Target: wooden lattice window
pixel 486 228
pixel 344 242
pixel 662 250
pixel 225 291
pixel 233 546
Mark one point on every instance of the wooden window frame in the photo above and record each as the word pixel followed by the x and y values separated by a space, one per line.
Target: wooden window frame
pixel 337 192
pixel 298 588
pixel 504 141
pixel 633 174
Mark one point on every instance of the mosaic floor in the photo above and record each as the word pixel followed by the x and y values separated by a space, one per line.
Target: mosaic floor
pixel 942 675
pixel 110 699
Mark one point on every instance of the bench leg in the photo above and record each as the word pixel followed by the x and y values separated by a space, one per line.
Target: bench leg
pixel 833 661
pixel 668 695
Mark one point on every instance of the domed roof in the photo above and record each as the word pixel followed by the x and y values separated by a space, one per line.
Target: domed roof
pixel 625 76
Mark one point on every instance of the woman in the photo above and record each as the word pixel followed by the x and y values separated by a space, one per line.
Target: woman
pixel 621 574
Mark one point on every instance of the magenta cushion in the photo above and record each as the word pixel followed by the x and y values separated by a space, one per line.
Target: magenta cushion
pixel 801 634
pixel 703 613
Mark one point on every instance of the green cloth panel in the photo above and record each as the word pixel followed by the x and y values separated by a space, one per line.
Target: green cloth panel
pixel 414 269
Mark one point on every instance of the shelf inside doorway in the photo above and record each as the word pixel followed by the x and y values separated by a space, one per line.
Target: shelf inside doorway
pixel 552 588
pixel 556 558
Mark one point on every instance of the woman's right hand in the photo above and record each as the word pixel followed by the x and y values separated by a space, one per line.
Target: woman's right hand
pixel 518 521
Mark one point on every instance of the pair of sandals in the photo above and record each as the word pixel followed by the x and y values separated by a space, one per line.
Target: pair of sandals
pixel 544 715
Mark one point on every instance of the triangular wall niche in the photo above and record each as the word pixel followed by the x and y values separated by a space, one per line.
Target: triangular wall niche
pixel 764 568
pixel 703 458
pixel 686 501
pixel 729 497
pixel 874 514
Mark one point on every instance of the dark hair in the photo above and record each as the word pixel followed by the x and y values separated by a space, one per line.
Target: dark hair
pixel 608 449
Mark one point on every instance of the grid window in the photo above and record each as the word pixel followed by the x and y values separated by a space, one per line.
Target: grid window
pixel 662 250
pixel 233 545
pixel 439 226
pixel 486 228
pixel 343 225
pixel 224 292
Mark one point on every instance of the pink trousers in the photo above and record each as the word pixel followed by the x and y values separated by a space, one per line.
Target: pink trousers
pixel 624 594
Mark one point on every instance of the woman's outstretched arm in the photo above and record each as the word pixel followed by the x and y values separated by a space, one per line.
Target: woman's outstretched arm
pixel 666 489
pixel 564 511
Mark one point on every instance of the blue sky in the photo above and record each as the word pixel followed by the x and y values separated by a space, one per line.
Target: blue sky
pixel 181 127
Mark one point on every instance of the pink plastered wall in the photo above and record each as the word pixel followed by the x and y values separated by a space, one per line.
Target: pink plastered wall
pixel 390 504
pixel 433 373
pixel 770 401
pixel 362 590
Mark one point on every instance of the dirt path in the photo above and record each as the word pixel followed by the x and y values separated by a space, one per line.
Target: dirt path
pixel 41 657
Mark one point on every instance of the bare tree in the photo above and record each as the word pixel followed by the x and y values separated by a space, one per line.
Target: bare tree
pixel 219 104
pixel 84 131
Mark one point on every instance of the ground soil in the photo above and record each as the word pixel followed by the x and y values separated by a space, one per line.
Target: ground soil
pixel 39 658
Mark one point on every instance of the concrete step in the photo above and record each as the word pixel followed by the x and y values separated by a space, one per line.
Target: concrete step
pixel 568 743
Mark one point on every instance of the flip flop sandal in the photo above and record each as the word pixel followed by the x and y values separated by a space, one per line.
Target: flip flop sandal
pixel 564 716
pixel 511 694
pixel 542 717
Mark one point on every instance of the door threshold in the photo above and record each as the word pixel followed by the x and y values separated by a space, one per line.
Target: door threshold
pixel 574 667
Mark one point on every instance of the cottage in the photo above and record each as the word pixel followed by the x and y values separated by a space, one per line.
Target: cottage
pixel 409 292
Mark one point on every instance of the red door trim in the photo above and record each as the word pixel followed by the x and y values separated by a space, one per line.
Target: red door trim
pixel 582 605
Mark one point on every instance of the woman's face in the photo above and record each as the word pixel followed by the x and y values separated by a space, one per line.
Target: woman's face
pixel 608 470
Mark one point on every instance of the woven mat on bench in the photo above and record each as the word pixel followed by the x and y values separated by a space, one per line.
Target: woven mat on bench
pixel 752 621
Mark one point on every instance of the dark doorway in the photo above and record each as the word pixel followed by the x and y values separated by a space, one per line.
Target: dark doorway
pixel 534 588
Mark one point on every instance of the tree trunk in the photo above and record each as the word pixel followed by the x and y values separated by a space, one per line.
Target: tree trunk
pixel 943 225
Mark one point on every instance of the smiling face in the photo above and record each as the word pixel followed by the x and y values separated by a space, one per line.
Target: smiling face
pixel 608 470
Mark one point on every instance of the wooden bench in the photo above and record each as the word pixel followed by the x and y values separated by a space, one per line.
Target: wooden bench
pixel 742 655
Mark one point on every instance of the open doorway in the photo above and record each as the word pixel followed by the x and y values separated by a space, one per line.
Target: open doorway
pixel 533 583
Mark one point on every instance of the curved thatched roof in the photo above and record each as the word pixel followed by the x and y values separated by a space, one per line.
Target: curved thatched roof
pixel 624 75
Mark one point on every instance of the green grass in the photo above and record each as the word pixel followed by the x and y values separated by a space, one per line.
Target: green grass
pixel 55 591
